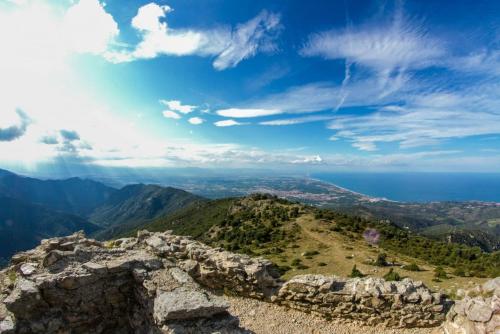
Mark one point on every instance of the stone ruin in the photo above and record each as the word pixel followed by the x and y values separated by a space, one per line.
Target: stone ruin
pixel 163 283
pixel 477 312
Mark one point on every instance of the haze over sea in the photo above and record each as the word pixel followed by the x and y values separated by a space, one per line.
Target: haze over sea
pixel 420 187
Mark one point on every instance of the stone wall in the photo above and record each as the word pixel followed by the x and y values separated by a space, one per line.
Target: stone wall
pixel 162 283
pixel 477 312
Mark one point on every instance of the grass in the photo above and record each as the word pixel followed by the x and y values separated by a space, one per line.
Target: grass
pixel 11 274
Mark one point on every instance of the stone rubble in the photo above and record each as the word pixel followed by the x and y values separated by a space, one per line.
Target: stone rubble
pixel 477 313
pixel 163 283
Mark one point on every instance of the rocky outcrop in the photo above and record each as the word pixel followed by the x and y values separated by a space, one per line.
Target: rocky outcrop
pixel 77 285
pixel 477 313
pixel 162 283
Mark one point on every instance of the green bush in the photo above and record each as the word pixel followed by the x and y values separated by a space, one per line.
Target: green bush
pixel 459 271
pixel 411 267
pixel 381 260
pixel 356 273
pixel 440 273
pixel 392 276
pixel 296 262
pixel 310 253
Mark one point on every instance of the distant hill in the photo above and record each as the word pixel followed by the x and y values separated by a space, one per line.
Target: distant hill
pixel 75 195
pixel 305 239
pixel 138 204
pixel 23 225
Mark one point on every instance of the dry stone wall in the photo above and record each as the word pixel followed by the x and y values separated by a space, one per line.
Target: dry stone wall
pixel 163 283
pixel 478 312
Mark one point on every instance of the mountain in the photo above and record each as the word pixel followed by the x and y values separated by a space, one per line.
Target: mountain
pixel 138 204
pixel 303 239
pixel 74 195
pixel 23 225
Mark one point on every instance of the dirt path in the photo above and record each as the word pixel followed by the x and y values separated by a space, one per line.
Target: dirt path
pixel 266 318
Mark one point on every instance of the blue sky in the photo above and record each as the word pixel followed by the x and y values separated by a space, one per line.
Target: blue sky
pixel 324 85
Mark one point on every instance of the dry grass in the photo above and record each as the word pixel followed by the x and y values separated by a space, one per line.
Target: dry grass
pixel 339 253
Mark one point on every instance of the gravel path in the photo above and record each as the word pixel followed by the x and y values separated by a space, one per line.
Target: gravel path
pixel 266 318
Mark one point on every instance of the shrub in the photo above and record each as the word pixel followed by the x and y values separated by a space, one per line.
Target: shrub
pixel 411 267
pixel 439 273
pixel 321 264
pixel 459 271
pixel 356 273
pixel 310 253
pixel 296 262
pixel 283 269
pixel 381 260
pixel 392 276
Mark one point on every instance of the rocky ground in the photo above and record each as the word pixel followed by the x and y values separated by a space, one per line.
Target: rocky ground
pixel 266 318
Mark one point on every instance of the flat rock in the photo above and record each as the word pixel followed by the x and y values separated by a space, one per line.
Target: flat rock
pixel 182 304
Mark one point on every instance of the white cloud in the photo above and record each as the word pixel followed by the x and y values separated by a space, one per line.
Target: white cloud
pixel 88 27
pixel 298 120
pixel 171 114
pixel 196 120
pixel 229 46
pixel 227 122
pixel 248 38
pixel 426 119
pixel 246 113
pixel 178 106
pixel 316 159
pixel 383 46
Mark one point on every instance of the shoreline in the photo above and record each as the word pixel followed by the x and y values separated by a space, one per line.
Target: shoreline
pixel 400 201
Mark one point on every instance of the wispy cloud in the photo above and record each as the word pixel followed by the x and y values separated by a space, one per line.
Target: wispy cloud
pixel 297 120
pixel 389 48
pixel 228 46
pixel 227 122
pixel 247 112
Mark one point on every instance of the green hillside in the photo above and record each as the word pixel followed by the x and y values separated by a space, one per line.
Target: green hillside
pixel 138 204
pixel 305 239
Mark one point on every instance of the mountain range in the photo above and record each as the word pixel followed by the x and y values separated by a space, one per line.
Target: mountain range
pixel 33 209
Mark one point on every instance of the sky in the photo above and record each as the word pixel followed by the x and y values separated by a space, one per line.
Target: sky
pixel 281 85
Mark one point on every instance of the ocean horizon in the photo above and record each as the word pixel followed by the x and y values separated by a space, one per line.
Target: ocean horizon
pixel 419 186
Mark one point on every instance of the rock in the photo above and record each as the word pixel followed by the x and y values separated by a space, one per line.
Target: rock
pixel 479 315
pixel 181 304
pixel 95 268
pixel 7 325
pixel 492 285
pixel 479 311
pixel 27 269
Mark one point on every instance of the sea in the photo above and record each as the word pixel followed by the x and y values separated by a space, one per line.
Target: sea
pixel 420 187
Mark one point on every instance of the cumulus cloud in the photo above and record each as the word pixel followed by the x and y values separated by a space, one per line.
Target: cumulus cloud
pixel 15 131
pixel 227 122
pixel 171 114
pixel 89 28
pixel 196 120
pixel 228 46
pixel 176 105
